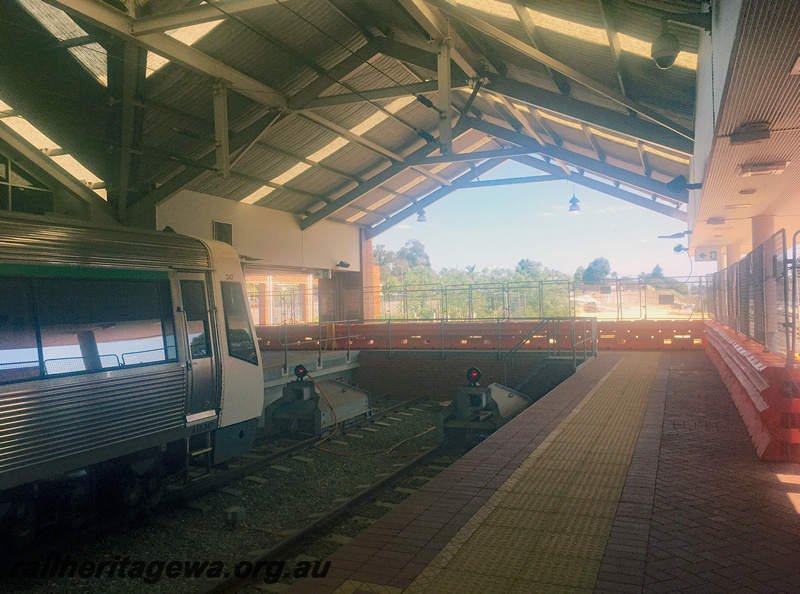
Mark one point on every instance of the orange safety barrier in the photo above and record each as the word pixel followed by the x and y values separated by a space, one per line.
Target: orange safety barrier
pixel 483 335
pixel 651 334
pixel 763 389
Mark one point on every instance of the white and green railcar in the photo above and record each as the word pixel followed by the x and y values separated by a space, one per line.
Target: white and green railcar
pixel 122 355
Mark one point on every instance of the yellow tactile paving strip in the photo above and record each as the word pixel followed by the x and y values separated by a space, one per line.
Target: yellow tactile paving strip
pixel 546 527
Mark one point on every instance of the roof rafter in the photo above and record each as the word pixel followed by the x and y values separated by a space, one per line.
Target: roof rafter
pixel 117 22
pixel 340 71
pixel 629 178
pixel 213 11
pixel 375 94
pixel 592 114
pixel 460 182
pixel 245 138
pixel 370 184
pixel 20 149
pixel 438 28
pixel 611 190
pixel 536 41
pixel 517 45
pixel 613 42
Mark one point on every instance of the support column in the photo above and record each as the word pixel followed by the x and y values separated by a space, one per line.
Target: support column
pixel 763 228
pixel 733 253
pixel 367 279
pixel 445 102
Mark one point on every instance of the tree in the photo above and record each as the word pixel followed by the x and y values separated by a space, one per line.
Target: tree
pixel 528 267
pixel 657 272
pixel 578 276
pixel 598 269
pixel 382 256
pixel 414 253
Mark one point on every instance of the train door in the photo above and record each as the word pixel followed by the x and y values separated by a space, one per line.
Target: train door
pixel 197 319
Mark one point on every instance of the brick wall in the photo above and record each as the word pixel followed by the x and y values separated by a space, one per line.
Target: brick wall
pixel 367 279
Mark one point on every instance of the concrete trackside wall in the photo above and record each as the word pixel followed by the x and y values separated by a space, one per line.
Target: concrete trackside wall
pixel 411 374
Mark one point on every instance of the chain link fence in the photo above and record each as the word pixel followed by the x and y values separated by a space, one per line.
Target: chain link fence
pixel 752 296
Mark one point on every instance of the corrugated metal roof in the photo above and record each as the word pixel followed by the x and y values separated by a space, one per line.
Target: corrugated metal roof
pixel 286 46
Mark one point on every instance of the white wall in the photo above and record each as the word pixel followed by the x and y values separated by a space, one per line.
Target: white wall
pixel 271 235
pixel 713 64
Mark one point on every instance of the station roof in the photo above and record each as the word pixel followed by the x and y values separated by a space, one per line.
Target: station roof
pixel 340 109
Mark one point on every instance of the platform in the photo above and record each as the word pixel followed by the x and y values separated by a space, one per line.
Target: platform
pixel 634 475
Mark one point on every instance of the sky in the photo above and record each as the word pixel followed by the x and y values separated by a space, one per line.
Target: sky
pixel 499 226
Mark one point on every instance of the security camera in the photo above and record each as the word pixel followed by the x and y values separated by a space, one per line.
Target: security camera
pixel 665 49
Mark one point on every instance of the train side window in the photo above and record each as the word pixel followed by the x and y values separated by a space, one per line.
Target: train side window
pixel 194 304
pixel 99 324
pixel 237 324
pixel 19 353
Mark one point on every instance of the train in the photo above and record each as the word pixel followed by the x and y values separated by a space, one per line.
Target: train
pixel 127 358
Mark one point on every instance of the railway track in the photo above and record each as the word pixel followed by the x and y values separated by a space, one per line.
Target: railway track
pixel 285 500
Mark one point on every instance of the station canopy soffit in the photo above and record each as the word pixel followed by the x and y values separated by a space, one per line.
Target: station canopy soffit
pixel 355 111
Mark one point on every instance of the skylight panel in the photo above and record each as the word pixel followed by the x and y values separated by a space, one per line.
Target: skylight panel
pixel 355 217
pixel 558 120
pixel 671 157
pixel 381 202
pixel 258 195
pixel 92 56
pixel 613 138
pixel 575 30
pixel 188 35
pixel 329 149
pixel 292 173
pixel 30 133
pixel 42 142
pixel 75 169
pixel 54 20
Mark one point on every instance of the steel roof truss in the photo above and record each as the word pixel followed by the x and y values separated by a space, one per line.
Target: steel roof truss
pixel 611 190
pixel 445 103
pixel 640 182
pixel 370 184
pixel 592 114
pixel 375 94
pixel 345 133
pixel 536 41
pixel 27 152
pixel 438 28
pixel 175 19
pixel 568 71
pixel 459 183
pixel 221 141
pixel 120 24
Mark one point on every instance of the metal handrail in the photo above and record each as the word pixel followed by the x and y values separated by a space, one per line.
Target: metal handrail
pixel 319 341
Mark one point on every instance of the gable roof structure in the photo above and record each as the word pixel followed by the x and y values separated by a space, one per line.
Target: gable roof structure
pixel 344 109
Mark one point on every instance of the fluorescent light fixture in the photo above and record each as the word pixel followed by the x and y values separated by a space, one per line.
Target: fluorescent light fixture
pixel 715 220
pixel 746 205
pixel 748 169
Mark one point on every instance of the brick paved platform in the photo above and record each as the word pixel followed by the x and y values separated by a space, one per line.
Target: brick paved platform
pixel 634 475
